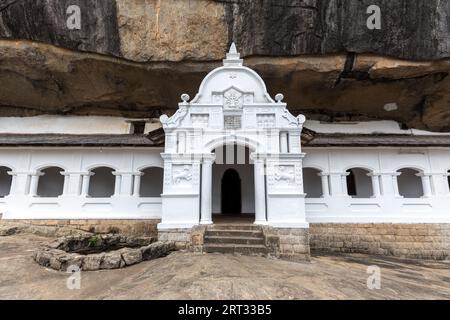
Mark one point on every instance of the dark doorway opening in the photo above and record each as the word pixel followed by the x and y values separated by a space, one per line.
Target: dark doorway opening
pixel 231 193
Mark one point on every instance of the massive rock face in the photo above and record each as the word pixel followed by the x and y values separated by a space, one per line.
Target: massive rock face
pixel 135 58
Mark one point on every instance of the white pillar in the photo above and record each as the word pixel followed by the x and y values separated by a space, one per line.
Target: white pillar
pixel 74 185
pixel 20 183
pixel 206 191
pixel 375 184
pixel 137 184
pixel 260 192
pixel 126 183
pixel 34 184
pixel 395 183
pixel 117 183
pixel 336 185
pixel 85 185
pixel 426 184
pixel 325 186
pixel 344 183
pixel 66 183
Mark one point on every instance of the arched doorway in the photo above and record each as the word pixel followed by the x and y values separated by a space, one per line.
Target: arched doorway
pixel 231 197
pixel 233 185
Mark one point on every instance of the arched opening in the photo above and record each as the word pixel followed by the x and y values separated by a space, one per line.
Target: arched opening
pixel 312 183
pixel 152 182
pixel 102 183
pixel 5 181
pixel 50 183
pixel 409 184
pixel 231 192
pixel 233 185
pixel 359 184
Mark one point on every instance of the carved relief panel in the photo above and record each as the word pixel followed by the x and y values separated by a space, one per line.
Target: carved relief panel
pixel 182 175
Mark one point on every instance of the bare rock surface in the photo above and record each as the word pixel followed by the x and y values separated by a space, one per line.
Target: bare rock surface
pixel 42 79
pixel 135 58
pixel 174 30
pixel 11 228
pixel 183 275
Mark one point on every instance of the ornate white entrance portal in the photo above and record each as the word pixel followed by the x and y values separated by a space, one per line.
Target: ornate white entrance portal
pixel 231 108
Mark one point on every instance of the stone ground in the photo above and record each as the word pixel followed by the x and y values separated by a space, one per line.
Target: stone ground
pixel 183 275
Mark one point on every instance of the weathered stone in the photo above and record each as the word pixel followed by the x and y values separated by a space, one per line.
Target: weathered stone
pixel 70 260
pixel 92 262
pixel 83 227
pixel 421 241
pixel 43 257
pixel 8 231
pixel 156 250
pixel 173 30
pixel 302 48
pixel 111 260
pixel 131 256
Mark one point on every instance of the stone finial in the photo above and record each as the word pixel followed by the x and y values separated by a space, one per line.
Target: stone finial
pixel 185 97
pixel 233 49
pixel 279 97
pixel 233 57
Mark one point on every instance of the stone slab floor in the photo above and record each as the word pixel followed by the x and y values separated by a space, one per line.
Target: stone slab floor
pixel 183 275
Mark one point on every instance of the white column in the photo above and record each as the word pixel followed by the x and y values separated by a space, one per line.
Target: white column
pixel 117 183
pixel 395 183
pixel 336 184
pixel 34 184
pixel 325 186
pixel 74 186
pixel 137 184
pixel 20 183
pixel 260 192
pixel 126 183
pixel 344 183
pixel 375 184
pixel 66 183
pixel 206 191
pixel 85 185
pixel 426 184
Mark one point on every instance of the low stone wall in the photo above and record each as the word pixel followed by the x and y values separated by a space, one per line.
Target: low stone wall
pixel 67 252
pixel 286 243
pixel 181 237
pixel 419 241
pixel 122 226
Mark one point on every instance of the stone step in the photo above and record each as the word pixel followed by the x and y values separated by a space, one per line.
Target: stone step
pixel 234 227
pixel 234 233
pixel 234 240
pixel 246 249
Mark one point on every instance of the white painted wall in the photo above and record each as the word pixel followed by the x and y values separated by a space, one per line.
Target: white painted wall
pixel 387 206
pixel 69 125
pixel 336 206
pixel 364 127
pixel 77 163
